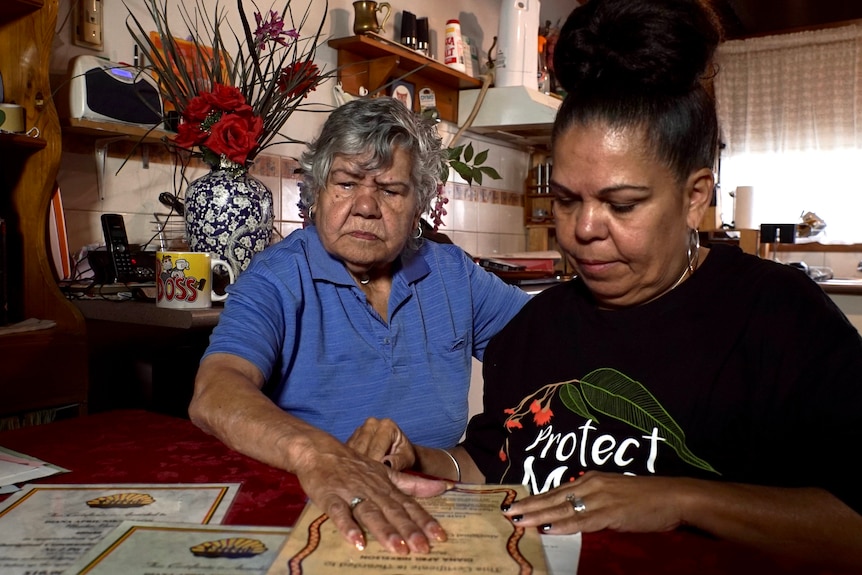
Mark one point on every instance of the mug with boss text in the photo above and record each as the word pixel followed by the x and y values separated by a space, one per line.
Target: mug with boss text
pixel 184 280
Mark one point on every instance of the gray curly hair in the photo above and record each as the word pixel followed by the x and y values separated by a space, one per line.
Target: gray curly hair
pixel 378 126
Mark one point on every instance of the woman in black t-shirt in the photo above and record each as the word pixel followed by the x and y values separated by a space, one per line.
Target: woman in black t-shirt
pixel 668 384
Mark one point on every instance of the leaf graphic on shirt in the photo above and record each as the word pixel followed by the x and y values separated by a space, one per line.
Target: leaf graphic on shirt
pixel 610 392
pixel 572 399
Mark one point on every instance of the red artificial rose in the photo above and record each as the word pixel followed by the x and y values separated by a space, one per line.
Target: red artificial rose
pixel 197 110
pixel 244 110
pixel 299 78
pixel 189 135
pixel 226 98
pixel 235 136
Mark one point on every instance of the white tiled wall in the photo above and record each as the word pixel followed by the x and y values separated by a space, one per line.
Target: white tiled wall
pixel 483 219
pixel 480 222
pixel 488 219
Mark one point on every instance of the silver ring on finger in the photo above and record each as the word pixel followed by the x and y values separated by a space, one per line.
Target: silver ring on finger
pixel 354 502
pixel 578 505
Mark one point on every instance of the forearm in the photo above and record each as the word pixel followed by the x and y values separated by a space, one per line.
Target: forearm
pixel 229 404
pixel 809 523
pixel 436 462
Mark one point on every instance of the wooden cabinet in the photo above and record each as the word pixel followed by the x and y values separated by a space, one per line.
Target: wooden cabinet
pixel 41 371
pixel 538 213
pixel 364 61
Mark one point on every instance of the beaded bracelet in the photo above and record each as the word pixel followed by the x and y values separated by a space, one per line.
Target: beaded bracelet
pixel 455 463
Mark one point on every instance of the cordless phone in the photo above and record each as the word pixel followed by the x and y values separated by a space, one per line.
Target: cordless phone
pixel 117 245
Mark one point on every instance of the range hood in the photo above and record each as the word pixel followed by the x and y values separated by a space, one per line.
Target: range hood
pixel 516 114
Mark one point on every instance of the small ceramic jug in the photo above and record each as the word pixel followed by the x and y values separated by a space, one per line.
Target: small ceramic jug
pixel 365 16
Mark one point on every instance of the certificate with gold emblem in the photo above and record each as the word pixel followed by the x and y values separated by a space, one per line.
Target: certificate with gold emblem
pixel 481 540
pixel 141 548
pixel 46 528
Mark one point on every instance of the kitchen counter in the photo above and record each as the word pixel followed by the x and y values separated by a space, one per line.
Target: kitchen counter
pixel 845 286
pixel 147 313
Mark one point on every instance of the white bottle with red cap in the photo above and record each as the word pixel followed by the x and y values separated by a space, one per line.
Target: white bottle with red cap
pixel 454 50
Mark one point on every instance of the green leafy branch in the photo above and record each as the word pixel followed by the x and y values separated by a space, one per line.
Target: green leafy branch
pixel 469 164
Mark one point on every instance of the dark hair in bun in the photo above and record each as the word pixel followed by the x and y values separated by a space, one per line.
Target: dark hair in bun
pixel 643 64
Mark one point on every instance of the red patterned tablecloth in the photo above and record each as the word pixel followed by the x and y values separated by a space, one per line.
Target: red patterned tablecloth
pixel 133 446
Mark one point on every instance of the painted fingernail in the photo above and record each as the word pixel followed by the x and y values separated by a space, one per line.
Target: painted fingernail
pixel 419 544
pixel 505 507
pixel 516 518
pixel 357 539
pixel 398 545
pixel 545 528
pixel 437 532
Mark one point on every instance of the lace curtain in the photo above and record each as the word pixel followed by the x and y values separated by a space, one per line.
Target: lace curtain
pixel 789 108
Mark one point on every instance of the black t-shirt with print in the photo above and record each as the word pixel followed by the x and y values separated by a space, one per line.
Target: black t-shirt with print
pixel 746 372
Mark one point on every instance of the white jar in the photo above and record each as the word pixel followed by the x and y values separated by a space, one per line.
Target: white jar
pixel 454 49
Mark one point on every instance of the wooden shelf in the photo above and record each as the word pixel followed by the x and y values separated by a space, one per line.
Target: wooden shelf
pixel 95 128
pixel 817 247
pixel 20 142
pixel 533 202
pixel 371 63
pixel 15 8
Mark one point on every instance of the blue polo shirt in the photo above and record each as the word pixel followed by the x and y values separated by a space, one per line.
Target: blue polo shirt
pixel 297 313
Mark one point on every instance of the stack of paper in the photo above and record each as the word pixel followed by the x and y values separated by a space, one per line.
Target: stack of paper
pixel 19 468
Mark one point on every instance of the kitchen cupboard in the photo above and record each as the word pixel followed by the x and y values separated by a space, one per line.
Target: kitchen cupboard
pixel 42 372
pixel 538 213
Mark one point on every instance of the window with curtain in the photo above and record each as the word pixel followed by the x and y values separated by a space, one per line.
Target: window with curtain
pixel 789 112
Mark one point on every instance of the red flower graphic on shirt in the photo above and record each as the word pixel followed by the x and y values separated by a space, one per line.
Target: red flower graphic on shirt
pixel 540 407
pixel 541 415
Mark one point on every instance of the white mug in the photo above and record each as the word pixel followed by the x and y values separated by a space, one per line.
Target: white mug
pixel 184 280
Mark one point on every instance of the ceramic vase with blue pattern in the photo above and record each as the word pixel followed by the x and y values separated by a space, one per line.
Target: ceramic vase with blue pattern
pixel 229 213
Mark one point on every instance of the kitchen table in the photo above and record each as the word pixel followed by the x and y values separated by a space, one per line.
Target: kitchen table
pixel 136 446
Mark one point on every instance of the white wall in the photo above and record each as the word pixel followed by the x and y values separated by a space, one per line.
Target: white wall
pixel 483 222
pixel 851 305
pixel 557 10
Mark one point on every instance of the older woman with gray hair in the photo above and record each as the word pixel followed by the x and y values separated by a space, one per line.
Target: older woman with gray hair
pixel 354 317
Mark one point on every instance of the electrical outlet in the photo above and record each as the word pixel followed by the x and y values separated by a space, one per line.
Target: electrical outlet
pixel 87 23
